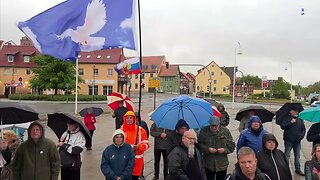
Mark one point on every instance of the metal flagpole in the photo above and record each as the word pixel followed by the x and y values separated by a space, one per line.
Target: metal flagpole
pixel 140 54
pixel 76 97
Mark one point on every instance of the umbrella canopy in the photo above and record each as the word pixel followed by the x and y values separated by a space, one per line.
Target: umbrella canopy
pixel 13 113
pixel 95 110
pixel 285 109
pixel 20 125
pixel 115 97
pixel 58 123
pixel 310 114
pixel 264 114
pixel 196 112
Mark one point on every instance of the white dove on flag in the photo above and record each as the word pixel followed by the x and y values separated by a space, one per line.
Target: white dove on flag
pixel 94 21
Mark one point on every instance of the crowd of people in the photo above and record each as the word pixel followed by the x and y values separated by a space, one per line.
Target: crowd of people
pixel 187 154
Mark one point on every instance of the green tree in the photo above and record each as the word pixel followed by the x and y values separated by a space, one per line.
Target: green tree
pixel 280 89
pixel 312 88
pixel 251 79
pixel 53 74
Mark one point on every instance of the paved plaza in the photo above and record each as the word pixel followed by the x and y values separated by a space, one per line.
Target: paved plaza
pixel 105 128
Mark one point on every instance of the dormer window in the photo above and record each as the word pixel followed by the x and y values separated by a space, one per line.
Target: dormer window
pixel 108 57
pixel 99 56
pixel 88 56
pixel 26 59
pixel 10 58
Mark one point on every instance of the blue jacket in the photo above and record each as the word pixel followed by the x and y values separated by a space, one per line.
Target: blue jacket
pixel 117 161
pixel 251 139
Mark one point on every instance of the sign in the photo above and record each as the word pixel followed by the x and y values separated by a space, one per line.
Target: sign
pixel 20 84
pixel 154 82
pixel 264 82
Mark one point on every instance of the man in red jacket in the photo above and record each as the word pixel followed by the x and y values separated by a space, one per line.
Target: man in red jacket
pixel 89 121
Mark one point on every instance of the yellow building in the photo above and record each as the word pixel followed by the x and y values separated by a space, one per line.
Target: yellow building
pixel 220 81
pixel 150 68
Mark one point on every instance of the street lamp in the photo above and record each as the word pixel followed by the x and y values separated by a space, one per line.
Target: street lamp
pixel 290 79
pixel 237 52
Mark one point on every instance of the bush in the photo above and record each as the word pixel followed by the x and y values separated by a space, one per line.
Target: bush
pixel 56 97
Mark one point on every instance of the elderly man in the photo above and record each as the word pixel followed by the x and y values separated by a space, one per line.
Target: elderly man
pixel 246 167
pixel 185 161
pixel 294 131
pixel 36 158
pixel 216 143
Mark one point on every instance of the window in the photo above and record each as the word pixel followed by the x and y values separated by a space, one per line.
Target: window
pixel 107 90
pixel 80 71
pixel 145 67
pixel 28 72
pixel 151 75
pixel 26 59
pixel 95 90
pixel 214 89
pixel 7 71
pixel 88 56
pixel 212 65
pixel 15 71
pixel 110 72
pixel 10 58
pixel 136 85
pixel 95 72
pixel 108 57
pixel 212 73
pixel 79 56
pixel 220 73
pixel 214 81
pixel 224 89
pixel 99 56
pixel 153 67
pixel 142 76
pixel 136 76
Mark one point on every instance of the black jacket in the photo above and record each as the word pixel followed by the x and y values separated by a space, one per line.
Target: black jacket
pixel 178 162
pixel 273 163
pixel 174 140
pixel 238 175
pixel 313 134
pixel 119 113
pixel 160 143
pixel 293 132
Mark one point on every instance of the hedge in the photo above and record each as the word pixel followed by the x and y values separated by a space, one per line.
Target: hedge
pixel 56 97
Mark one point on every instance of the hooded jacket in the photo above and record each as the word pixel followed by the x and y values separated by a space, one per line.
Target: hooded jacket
pixel 89 120
pixel 36 160
pixel 224 119
pixel 273 163
pixel 135 135
pixel 117 161
pixel 250 138
pixel 175 138
pixel 313 134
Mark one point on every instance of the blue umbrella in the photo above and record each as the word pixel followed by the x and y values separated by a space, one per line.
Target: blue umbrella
pixel 310 114
pixel 196 112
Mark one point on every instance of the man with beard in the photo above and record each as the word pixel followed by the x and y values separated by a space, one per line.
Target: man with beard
pixel 185 161
pixel 246 167
pixel 294 131
pixel 252 136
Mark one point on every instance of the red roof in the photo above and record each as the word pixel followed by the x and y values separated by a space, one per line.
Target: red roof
pixel 106 56
pixel 192 76
pixel 171 71
pixel 151 63
pixel 18 52
pixel 186 76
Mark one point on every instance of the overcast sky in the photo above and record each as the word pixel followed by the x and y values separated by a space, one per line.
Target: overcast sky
pixel 271 33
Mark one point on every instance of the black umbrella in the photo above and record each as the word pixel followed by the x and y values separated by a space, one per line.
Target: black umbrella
pixel 95 110
pixel 13 113
pixel 58 123
pixel 213 102
pixel 264 114
pixel 285 110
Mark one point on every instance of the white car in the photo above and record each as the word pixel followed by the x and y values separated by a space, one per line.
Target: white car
pixel 315 104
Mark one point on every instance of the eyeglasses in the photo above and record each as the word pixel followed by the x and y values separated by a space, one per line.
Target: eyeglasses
pixel 190 138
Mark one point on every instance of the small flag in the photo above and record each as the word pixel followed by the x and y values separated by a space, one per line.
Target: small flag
pixel 129 66
pixel 82 25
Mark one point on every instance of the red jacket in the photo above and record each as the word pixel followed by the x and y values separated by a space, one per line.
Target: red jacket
pixel 89 120
pixel 131 138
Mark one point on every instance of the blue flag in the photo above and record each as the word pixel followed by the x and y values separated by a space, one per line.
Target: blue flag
pixel 82 25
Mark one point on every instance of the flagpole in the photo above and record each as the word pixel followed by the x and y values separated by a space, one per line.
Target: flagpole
pixel 76 97
pixel 140 56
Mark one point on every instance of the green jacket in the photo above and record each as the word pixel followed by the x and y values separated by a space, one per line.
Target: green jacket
pixel 223 139
pixel 36 161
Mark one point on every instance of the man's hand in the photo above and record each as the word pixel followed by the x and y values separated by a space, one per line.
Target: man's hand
pixel 212 150
pixel 60 144
pixel 293 120
pixel 134 147
pixel 163 135
pixel 220 150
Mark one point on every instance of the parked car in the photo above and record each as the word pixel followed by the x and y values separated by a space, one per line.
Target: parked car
pixel 315 104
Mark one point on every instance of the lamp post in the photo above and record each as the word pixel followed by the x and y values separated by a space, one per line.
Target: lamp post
pixel 237 52
pixel 290 80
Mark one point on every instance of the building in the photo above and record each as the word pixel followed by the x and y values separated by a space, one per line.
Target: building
pixel 169 79
pixel 150 68
pixel 97 70
pixel 187 83
pixel 219 83
pixel 242 89
pixel 15 66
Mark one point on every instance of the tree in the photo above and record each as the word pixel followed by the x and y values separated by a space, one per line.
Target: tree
pixel 280 89
pixel 251 79
pixel 53 74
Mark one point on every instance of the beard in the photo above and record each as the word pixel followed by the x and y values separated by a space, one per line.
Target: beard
pixel 190 150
